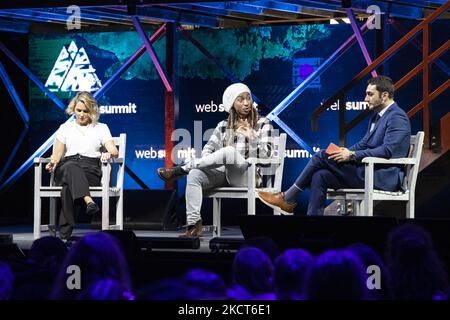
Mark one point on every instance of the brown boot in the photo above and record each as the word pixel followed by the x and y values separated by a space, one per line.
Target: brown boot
pixel 276 201
pixel 171 174
pixel 193 231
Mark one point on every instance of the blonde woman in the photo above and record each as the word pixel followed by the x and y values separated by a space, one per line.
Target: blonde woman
pixel 223 160
pixel 76 158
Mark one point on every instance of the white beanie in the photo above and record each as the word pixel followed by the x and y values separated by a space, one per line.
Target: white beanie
pixel 231 93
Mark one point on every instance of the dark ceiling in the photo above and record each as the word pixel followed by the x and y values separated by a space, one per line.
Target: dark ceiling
pixel 23 16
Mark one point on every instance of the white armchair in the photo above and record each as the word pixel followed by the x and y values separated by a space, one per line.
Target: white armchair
pixel 105 191
pixel 364 199
pixel 272 173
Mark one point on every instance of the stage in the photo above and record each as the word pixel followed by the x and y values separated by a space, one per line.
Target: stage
pixel 157 73
pixel 23 236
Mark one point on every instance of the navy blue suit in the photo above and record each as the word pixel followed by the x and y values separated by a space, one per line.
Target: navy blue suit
pixel 389 139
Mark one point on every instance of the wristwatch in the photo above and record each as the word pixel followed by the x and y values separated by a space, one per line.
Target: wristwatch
pixel 352 156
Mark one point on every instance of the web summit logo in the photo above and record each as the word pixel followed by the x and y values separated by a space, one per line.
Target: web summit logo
pixel 73 71
pixel 210 107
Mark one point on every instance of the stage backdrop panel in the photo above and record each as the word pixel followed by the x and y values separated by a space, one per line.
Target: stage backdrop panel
pixel 271 60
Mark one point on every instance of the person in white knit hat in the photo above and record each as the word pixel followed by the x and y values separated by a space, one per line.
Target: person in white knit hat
pixel 223 160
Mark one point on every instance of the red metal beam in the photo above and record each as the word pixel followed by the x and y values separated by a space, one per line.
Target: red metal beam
pixel 407 77
pixel 439 90
pixel 388 53
pixel 438 52
pixel 400 43
pixel 432 96
pixel 172 74
pixel 426 84
pixel 412 73
pixel 169 126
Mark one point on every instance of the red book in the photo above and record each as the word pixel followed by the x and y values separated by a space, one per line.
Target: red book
pixel 332 148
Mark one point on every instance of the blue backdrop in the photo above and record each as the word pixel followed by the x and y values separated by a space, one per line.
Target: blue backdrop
pixel 271 60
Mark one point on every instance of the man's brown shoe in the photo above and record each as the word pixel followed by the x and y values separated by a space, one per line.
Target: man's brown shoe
pixel 277 202
pixel 171 174
pixel 193 231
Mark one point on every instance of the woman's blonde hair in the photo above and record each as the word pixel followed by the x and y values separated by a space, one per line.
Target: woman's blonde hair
pixel 89 101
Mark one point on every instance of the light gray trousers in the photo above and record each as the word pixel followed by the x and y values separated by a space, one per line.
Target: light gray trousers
pixel 223 167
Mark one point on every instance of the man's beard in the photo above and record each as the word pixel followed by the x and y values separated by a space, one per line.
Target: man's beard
pixel 378 107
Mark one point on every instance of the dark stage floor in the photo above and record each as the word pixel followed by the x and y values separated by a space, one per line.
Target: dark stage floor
pixel 23 236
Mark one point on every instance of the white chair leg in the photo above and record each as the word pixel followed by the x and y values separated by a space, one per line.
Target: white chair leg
pixel 251 194
pixel 251 203
pixel 52 217
pixel 368 204
pixel 37 202
pixel 358 208
pixel 368 187
pixel 369 208
pixel 106 171
pixel 37 216
pixel 410 207
pixel 216 217
pixel 361 208
pixel 119 212
pixel 105 212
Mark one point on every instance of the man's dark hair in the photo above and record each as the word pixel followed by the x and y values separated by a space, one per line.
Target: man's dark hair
pixel 383 84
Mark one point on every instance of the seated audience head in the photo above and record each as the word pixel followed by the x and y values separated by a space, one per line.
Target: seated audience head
pixel 336 275
pixel 290 272
pixel 105 289
pixel 369 258
pixel 202 284
pixel 265 244
pixel 6 281
pixel 163 290
pixel 253 270
pixel 48 252
pixel 416 270
pixel 96 256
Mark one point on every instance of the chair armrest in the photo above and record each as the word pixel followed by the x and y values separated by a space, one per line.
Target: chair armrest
pixel 375 160
pixel 47 160
pixel 41 160
pixel 263 160
pixel 115 160
pixel 119 160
